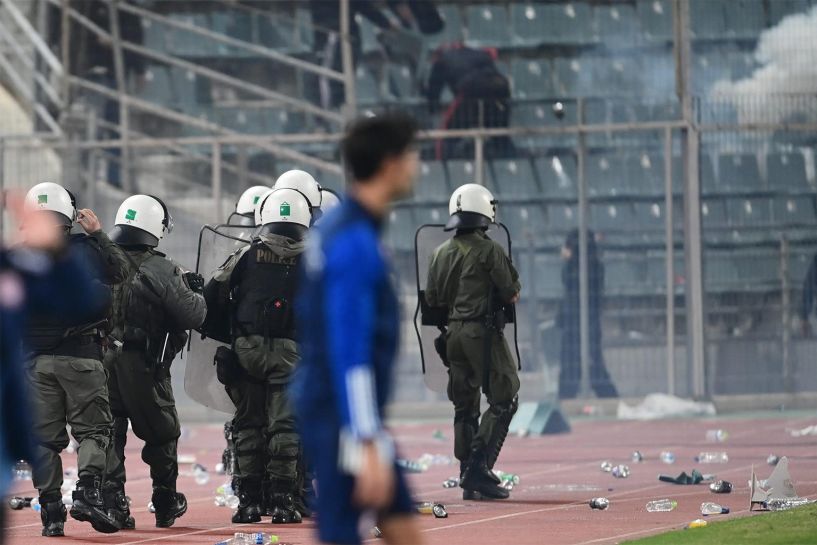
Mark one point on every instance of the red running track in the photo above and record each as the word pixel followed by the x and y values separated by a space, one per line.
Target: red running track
pixel 559 474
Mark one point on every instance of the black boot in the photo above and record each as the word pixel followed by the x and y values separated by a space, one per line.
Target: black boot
pixel 284 510
pixel 53 515
pixel 88 506
pixel 117 505
pixel 470 495
pixel 478 478
pixel 249 497
pixel 169 506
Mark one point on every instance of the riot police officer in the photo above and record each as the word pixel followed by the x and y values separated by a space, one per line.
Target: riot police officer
pixel 472 277
pixel 244 213
pixel 260 280
pixel 153 307
pixel 68 379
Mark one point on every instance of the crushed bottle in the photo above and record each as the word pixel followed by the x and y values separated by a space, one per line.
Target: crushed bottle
pixel 667 457
pixel 200 474
pixel 784 504
pixel 772 460
pixel 717 436
pixel 451 482
pixel 661 506
pixel 600 504
pixel 710 508
pixel 35 504
pixel 721 487
pixel 621 471
pixel 637 457
pixel 507 480
pixel 697 523
pixel 151 508
pixel 431 508
pixel 712 458
pixel 256 538
pixel 606 466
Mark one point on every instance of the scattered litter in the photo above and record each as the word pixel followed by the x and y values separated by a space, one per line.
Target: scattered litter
pixel 772 460
pixel 509 480
pixel 712 458
pixel 220 469
pixel 17 503
pixel 600 504
pixel 431 508
pixel 225 497
pixel 683 478
pixel 717 436
pixel 785 505
pixel 411 466
pixel 151 508
pixel 710 508
pixel 606 466
pixel 808 430
pixel 621 471
pixel 667 457
pixel 200 474
pixel 697 523
pixel 257 538
pixel 428 459
pixel 778 486
pixel 661 506
pixel 636 457
pixel 657 406
pixel 565 488
pixel 35 504
pixel 721 487
pixel 451 482
pixel 187 459
pixel 438 435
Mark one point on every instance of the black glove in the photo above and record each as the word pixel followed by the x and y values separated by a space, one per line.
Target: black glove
pixel 194 281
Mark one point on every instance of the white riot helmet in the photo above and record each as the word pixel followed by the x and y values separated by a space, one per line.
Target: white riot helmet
pixel 329 200
pixel 52 197
pixel 303 182
pixel 260 205
pixel 286 212
pixel 247 201
pixel 471 206
pixel 141 220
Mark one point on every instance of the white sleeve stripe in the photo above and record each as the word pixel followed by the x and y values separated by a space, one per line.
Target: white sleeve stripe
pixel 361 400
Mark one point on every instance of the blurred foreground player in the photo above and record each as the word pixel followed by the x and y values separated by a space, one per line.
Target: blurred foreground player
pixel 153 307
pixel 348 324
pixel 472 276
pixel 66 373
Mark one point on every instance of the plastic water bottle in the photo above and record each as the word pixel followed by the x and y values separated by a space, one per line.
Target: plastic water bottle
pixel 606 466
pixel 782 504
pixel 257 538
pixel 721 487
pixel 35 504
pixel 452 482
pixel 151 508
pixel 200 474
pixel 717 436
pixel 232 501
pixel 636 456
pixel 667 457
pixel 661 506
pixel 712 458
pixel 621 471
pixel 431 508
pixel 710 508
pixel 600 504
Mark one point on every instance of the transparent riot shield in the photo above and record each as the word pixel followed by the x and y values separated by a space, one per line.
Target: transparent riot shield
pixel 427 321
pixel 216 244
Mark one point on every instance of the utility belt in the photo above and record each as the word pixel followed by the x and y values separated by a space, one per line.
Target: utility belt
pixel 87 346
pixel 247 330
pixel 496 320
pixel 156 350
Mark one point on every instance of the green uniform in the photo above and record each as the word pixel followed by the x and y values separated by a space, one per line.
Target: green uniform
pixel 68 382
pixel 266 443
pixel 468 273
pixel 150 320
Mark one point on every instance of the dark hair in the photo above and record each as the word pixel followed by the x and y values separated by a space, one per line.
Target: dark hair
pixel 371 140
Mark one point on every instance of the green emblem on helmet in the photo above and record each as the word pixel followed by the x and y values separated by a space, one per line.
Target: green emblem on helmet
pixel 130 214
pixel 255 199
pixel 42 199
pixel 285 210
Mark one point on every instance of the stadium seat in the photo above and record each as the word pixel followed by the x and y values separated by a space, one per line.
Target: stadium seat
pixel 713 214
pixel 739 172
pixel 657 271
pixel 744 18
pixel 616 25
pixel 514 178
pixel 719 272
pixel 655 18
pixel 557 175
pixel 645 174
pixel 452 32
pixel 158 87
pixel 757 270
pixel 527 22
pixel 541 113
pixel 569 23
pixel 424 215
pixel 624 275
pixel 561 218
pixel 401 82
pixel 752 212
pixel 606 175
pixel 488 25
pixel 431 182
pixel 793 211
pixel 368 38
pixel 521 220
pixel 401 229
pixel 463 172
pixel 783 8
pixel 707 18
pixel 611 217
pixel 532 78
pixel 366 86
pixel 787 172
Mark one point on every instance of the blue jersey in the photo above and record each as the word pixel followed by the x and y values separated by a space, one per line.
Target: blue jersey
pixel 348 324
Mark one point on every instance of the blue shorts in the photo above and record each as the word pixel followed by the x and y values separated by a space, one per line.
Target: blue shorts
pixel 338 518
